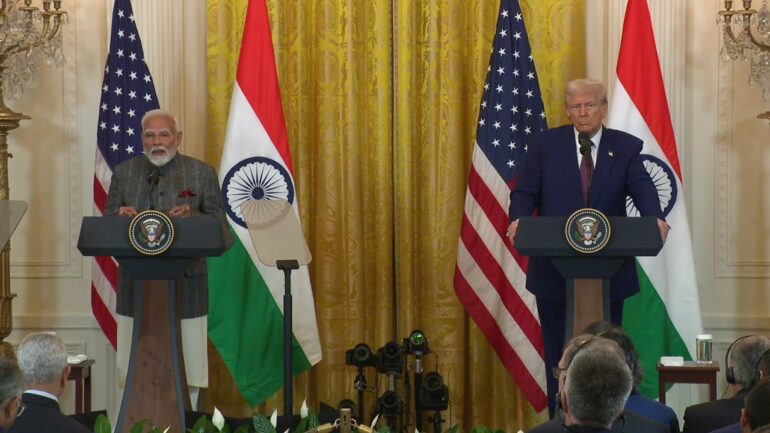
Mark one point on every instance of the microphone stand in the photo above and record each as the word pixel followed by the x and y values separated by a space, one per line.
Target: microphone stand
pixel 417 390
pixel 360 384
pixel 153 179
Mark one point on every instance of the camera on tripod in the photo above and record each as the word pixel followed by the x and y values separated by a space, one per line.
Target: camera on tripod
pixel 416 343
pixel 390 358
pixel 360 356
pixel 390 404
pixel 434 394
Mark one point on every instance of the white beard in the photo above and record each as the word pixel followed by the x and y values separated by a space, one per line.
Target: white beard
pixel 159 160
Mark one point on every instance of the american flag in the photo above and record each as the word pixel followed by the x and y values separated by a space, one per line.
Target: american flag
pixel 127 93
pixel 490 275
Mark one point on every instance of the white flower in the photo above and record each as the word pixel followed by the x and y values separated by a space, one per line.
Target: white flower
pixel 218 419
pixel 374 421
pixel 303 410
pixel 274 418
pixel 166 430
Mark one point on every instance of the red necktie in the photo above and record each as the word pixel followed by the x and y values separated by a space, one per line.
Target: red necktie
pixel 586 172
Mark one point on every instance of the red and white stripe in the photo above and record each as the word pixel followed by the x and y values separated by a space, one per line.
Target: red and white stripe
pixel 490 281
pixel 104 270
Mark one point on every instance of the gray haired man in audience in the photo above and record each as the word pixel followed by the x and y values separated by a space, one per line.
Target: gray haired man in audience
pixel 11 383
pixel 43 360
pixel 744 355
pixel 583 356
pixel 597 385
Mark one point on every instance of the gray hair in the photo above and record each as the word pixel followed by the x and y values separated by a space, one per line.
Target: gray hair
pixel 582 85
pixel 160 113
pixel 745 355
pixel 598 382
pixel 42 357
pixel 11 379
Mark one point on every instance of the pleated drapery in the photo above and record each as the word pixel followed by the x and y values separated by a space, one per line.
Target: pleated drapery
pixel 381 100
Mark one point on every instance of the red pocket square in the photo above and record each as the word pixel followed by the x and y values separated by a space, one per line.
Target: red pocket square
pixel 186 193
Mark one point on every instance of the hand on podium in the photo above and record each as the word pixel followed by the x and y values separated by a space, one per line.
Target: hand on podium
pixel 181 211
pixel 664 229
pixel 127 211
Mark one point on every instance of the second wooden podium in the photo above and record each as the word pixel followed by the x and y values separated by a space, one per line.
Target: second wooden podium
pixel 156 387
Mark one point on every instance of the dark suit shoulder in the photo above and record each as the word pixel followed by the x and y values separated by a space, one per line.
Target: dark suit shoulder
pixel 635 423
pixel 711 415
pixel 623 138
pixel 42 415
pixel 630 423
pixel 189 160
pixel 557 133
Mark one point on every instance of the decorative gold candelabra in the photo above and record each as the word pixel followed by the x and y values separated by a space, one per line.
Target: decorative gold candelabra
pixel 26 33
pixel 749 44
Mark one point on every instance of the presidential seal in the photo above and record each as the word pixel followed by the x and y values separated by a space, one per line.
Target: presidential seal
pixel 151 232
pixel 587 231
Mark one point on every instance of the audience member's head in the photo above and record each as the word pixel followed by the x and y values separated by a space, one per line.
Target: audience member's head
pixel 743 359
pixel 569 350
pixel 618 335
pixel 756 413
pixel 600 327
pixel 596 385
pixel 11 385
pixel 43 360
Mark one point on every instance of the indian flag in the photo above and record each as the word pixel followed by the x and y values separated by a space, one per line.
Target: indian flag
pixel 246 297
pixel 664 318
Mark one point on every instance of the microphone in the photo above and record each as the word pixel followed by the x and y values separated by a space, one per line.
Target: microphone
pixel 585 143
pixel 153 179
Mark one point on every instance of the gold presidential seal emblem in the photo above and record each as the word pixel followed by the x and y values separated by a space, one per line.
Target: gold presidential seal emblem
pixel 151 232
pixel 587 231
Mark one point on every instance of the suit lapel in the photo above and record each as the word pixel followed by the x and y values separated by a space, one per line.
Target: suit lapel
pixel 604 163
pixel 569 164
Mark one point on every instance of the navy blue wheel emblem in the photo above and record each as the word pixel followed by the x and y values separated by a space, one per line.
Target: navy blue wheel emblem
pixel 256 178
pixel 665 182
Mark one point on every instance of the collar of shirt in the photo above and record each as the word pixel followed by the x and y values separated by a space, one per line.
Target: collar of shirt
pixel 596 139
pixel 42 394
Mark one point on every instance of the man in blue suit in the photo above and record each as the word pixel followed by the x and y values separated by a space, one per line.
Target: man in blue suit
pixel 550 184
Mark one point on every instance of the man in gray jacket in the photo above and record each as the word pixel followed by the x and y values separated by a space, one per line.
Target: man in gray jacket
pixel 181 186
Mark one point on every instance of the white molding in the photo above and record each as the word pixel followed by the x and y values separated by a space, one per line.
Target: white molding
pixel 65 141
pixel 70 322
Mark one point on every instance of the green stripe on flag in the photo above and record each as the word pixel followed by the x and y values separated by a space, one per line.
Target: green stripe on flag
pixel 647 322
pixel 246 325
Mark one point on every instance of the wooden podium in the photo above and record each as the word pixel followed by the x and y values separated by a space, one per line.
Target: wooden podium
pixel 587 289
pixel 156 386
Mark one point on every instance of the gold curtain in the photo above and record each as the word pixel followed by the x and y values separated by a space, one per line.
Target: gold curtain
pixel 381 99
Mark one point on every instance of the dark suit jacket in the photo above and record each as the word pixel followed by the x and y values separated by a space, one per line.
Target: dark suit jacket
pixel 653 410
pixel 184 180
pixel 43 415
pixel 549 183
pixel 633 424
pixel 732 428
pixel 712 415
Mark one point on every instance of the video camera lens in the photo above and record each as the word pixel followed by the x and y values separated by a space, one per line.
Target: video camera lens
pixel 390 358
pixel 416 343
pixel 434 395
pixel 360 356
pixel 389 404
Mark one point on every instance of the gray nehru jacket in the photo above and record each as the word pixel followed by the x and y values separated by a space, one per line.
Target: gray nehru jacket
pixel 184 180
